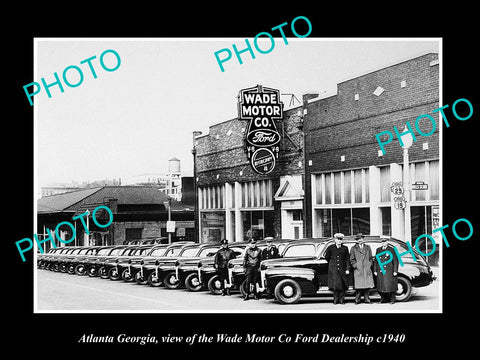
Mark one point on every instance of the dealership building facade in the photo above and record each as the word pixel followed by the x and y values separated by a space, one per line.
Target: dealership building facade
pixel 330 174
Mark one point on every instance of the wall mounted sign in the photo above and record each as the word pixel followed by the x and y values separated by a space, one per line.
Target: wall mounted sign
pixel 261 106
pixel 419 185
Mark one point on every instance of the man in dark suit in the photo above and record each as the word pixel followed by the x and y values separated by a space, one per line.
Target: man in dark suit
pixel 251 263
pixel 386 273
pixel 338 268
pixel 271 251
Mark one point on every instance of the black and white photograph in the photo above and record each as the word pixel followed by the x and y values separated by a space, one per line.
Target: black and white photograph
pixel 180 176
pixel 244 182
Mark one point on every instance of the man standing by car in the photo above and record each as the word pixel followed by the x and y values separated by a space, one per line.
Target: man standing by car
pixel 386 279
pixel 251 263
pixel 338 268
pixel 271 251
pixel 362 261
pixel 222 257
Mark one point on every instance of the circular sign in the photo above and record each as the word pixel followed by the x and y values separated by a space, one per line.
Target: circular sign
pixel 263 161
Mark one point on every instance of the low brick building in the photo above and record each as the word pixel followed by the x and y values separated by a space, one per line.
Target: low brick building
pixel 330 174
pixel 138 212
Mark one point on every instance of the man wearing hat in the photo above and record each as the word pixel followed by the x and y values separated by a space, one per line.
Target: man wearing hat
pixel 251 263
pixel 271 251
pixel 386 279
pixel 222 257
pixel 338 268
pixel 361 260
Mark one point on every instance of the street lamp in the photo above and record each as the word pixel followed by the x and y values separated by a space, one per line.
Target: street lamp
pixel 407 140
pixel 167 204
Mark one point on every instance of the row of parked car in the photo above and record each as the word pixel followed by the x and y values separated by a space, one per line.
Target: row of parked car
pixel 300 271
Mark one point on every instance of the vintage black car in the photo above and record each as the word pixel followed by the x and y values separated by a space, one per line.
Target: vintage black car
pixel 207 274
pixel 44 259
pixel 163 271
pixel 110 268
pixel 92 264
pixel 124 265
pixel 52 262
pixel 287 248
pixel 68 263
pixel 111 259
pixel 146 241
pixel 187 269
pixel 291 278
pixel 195 273
pixel 137 268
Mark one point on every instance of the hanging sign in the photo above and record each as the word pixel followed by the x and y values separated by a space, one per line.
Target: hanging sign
pixel 261 106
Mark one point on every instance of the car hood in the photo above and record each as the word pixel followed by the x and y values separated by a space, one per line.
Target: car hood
pixel 207 261
pixel 293 261
pixel 190 261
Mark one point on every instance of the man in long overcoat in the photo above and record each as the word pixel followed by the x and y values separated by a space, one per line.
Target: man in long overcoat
pixel 387 279
pixel 338 269
pixel 361 260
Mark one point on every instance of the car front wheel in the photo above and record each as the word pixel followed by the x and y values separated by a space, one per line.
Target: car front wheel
pixel 214 285
pixel 171 281
pixel 192 283
pixel 92 272
pixel 153 280
pixel 127 276
pixel 113 274
pixel 80 270
pixel 140 279
pixel 288 291
pixel 103 272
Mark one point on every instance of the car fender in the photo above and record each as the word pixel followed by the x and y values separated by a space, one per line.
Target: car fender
pixel 305 277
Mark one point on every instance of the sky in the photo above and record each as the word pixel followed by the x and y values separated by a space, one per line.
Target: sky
pixel 131 121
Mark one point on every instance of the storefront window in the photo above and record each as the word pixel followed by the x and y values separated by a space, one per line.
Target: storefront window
pixel 347 179
pixel 341 221
pixel 257 224
pixel 434 184
pixel 357 182
pixel 420 176
pixel 328 188
pixel 347 221
pixel 318 189
pixel 212 226
pixel 385 184
pixel 360 221
pixel 337 179
pixel 386 221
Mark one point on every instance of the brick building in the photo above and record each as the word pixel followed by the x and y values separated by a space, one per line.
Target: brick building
pixel 347 177
pixel 345 183
pixel 138 212
pixel 236 202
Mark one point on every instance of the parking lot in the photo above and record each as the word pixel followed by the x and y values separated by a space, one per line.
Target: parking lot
pixel 57 291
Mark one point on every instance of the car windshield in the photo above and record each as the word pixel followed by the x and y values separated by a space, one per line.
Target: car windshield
pixel 173 251
pixel 103 252
pixel 116 252
pixel 158 252
pixel 139 251
pixel 84 251
pixel 300 250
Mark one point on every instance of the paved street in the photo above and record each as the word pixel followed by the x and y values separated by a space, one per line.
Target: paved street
pixel 63 292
